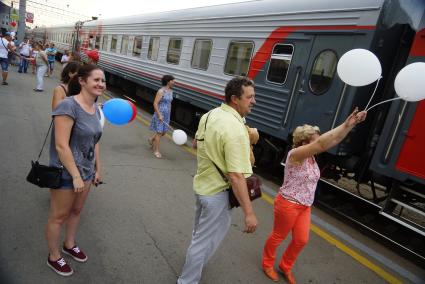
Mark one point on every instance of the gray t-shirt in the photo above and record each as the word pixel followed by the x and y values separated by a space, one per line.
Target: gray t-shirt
pixel 85 133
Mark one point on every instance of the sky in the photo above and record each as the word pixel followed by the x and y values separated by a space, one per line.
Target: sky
pixel 57 12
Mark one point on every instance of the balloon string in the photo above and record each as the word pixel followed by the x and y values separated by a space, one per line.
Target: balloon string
pixel 380 103
pixel 376 87
pixel 168 125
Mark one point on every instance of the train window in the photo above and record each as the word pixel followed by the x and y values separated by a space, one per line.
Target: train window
pixel 124 45
pixel 174 50
pixel 137 46
pixel 105 42
pixel 97 42
pixel 114 43
pixel 91 42
pixel 323 72
pixel 238 58
pixel 201 53
pixel 279 63
pixel 153 48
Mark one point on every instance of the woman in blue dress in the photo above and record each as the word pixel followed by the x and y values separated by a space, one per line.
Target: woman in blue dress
pixel 161 117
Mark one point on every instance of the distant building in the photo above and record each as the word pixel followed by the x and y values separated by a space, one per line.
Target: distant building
pixel 4 17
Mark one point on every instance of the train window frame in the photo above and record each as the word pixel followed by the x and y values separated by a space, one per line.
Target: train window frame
pixel 289 65
pixel 333 73
pixel 140 37
pixel 168 50
pixel 105 44
pixel 209 55
pixel 122 42
pixel 150 51
pixel 97 41
pixel 227 57
pixel 116 43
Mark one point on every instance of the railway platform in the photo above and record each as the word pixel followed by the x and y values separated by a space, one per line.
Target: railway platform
pixel 136 227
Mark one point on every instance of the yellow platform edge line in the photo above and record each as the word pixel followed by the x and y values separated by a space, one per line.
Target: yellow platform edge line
pixel 361 259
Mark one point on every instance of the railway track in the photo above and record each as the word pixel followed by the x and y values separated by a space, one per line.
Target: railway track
pixel 365 216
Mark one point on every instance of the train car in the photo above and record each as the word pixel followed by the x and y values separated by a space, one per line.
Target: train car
pixel 290 49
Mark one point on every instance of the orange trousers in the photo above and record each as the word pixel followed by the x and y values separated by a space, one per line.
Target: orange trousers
pixel 288 216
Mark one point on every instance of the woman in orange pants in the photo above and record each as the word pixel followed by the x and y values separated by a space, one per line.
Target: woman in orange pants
pixel 292 204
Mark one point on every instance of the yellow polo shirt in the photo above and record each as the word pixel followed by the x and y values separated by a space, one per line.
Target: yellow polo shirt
pixel 224 141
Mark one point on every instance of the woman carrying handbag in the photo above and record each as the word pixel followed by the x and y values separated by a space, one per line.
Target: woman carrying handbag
pixel 74 145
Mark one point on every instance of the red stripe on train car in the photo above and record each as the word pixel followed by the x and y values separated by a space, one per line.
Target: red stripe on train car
pixel 279 34
pixel 411 158
pixel 418 47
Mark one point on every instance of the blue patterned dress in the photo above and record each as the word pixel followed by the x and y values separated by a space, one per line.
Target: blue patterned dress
pixel 164 107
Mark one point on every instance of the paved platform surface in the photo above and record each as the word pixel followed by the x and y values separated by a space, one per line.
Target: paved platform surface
pixel 136 228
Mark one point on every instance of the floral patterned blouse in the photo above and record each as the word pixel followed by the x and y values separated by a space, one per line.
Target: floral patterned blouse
pixel 300 181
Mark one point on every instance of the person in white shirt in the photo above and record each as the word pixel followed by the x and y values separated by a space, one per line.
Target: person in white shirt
pixel 65 58
pixel 25 51
pixel 5 48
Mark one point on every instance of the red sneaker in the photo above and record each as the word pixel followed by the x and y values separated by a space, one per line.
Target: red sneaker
pixel 60 267
pixel 76 253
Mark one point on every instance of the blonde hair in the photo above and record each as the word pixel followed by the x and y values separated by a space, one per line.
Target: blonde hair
pixel 302 134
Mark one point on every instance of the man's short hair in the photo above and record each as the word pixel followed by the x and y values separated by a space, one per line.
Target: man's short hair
pixel 234 87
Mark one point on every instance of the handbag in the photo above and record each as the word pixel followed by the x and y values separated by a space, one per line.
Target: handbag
pixel 45 176
pixel 253 184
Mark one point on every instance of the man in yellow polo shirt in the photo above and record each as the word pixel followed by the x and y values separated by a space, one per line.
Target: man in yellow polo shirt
pixel 222 139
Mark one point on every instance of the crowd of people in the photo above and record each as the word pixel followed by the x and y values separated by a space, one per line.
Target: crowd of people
pixel 223 143
pixel 40 56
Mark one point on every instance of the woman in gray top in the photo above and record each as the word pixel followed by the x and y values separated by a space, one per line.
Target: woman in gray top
pixel 74 145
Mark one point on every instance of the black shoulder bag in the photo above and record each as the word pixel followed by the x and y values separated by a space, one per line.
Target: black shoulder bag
pixel 45 176
pixel 253 182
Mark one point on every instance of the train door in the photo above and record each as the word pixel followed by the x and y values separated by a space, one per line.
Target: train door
pixel 320 88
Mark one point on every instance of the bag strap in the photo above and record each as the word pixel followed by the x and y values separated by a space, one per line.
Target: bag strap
pixel 45 139
pixel 218 169
pixel 4 45
pixel 48 131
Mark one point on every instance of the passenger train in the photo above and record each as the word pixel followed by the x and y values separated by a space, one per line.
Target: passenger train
pixel 290 49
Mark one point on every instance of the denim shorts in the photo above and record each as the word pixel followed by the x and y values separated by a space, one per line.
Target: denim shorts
pixel 68 183
pixel 4 64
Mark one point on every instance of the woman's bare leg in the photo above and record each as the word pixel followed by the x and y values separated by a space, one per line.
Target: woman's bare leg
pixel 74 216
pixel 61 201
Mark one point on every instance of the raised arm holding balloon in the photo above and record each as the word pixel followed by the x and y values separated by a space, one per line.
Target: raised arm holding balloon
pixel 292 205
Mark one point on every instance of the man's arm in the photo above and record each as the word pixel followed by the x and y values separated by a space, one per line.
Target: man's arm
pixel 238 182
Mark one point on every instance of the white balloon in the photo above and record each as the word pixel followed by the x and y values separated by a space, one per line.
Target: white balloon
pixel 409 83
pixel 102 116
pixel 179 137
pixel 359 67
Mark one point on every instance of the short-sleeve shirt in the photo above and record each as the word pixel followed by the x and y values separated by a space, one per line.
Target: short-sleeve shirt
pixel 300 181
pixel 85 133
pixel 225 141
pixel 39 58
pixel 3 47
pixel 51 54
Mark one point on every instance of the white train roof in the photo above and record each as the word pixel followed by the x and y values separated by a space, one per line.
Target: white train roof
pixel 249 8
